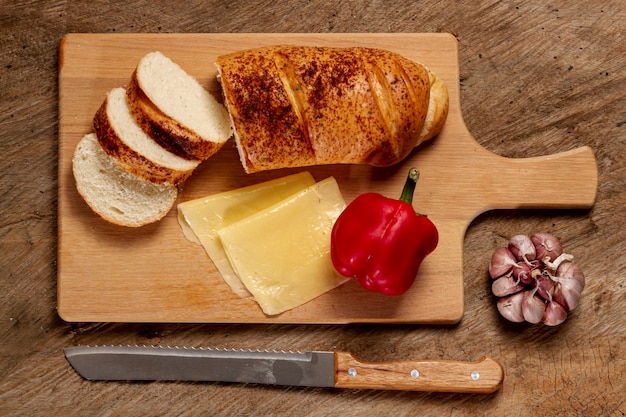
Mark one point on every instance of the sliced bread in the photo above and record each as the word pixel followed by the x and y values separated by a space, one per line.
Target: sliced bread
pixel 116 195
pixel 134 151
pixel 175 110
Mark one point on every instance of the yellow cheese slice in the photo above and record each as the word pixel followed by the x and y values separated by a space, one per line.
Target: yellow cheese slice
pixel 282 254
pixel 202 218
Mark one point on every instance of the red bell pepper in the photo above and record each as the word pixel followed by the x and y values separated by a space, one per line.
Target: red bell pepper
pixel 382 241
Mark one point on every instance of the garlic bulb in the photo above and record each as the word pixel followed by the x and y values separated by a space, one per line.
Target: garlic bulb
pixel 534 280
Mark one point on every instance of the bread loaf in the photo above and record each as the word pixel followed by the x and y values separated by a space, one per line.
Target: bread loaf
pixel 134 151
pixel 297 106
pixel 116 195
pixel 175 110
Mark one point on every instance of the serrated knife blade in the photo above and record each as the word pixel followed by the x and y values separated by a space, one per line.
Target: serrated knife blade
pixel 312 369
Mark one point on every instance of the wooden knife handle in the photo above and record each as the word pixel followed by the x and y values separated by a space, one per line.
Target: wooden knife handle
pixel 483 376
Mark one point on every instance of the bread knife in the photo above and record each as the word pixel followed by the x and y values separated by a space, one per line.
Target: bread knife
pixel 307 369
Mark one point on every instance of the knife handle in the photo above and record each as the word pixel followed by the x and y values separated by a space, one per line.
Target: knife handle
pixel 483 376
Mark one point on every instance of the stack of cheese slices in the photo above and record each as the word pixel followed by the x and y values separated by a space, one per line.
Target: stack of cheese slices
pixel 147 139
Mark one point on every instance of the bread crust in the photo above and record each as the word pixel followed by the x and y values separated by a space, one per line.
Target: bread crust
pixel 298 106
pixel 166 131
pixel 127 158
pixel 438 107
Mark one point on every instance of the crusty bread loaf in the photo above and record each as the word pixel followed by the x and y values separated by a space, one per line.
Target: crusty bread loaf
pixel 297 106
pixel 134 151
pixel 116 195
pixel 175 110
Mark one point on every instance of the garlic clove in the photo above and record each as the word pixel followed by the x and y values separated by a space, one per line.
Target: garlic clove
pixel 533 307
pixel 506 285
pixel 522 248
pixel 570 284
pixel 502 261
pixel 555 314
pixel 510 307
pixel 572 271
pixel 545 287
pixel 546 245
pixel 524 273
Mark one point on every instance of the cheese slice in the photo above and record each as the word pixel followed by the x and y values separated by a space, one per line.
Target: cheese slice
pixel 282 253
pixel 202 218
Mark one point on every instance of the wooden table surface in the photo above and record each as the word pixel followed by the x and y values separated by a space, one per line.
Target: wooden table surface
pixel 536 78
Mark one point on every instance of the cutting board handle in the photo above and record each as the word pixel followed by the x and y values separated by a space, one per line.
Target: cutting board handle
pixel 562 180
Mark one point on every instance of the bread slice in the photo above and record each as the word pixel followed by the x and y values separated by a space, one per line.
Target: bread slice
pixel 175 110
pixel 134 151
pixel 116 195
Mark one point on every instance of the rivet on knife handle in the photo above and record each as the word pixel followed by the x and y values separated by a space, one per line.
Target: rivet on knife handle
pixel 483 376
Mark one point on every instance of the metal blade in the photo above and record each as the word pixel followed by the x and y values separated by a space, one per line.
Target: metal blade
pixel 154 363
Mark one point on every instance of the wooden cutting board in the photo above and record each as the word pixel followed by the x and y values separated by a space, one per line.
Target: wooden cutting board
pixel 108 273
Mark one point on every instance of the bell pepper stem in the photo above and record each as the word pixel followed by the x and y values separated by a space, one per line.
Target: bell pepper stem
pixel 409 187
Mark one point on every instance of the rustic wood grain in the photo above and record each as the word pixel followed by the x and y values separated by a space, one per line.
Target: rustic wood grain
pixel 536 78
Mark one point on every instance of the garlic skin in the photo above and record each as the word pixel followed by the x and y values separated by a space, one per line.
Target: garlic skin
pixel 535 285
